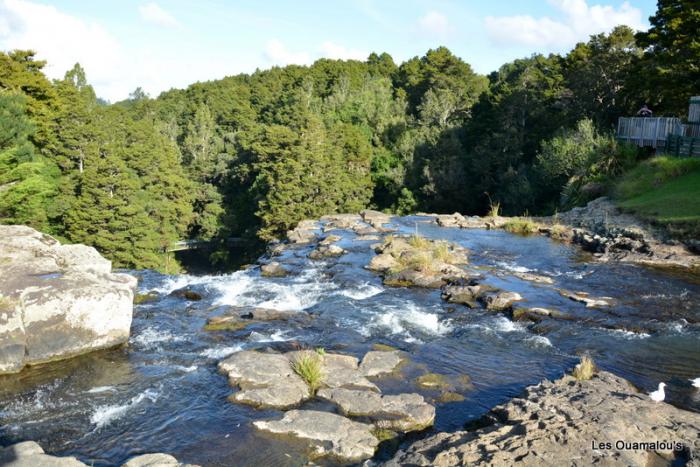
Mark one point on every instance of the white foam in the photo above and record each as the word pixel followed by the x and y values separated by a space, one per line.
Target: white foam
pixel 277 336
pixel 503 324
pixel 221 352
pixel 511 266
pixel 151 337
pixel 185 369
pixel 403 319
pixel 105 414
pixel 362 292
pixel 628 334
pixel 99 389
pixel 539 341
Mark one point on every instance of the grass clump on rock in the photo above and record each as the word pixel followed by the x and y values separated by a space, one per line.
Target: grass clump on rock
pixel 521 226
pixel 585 369
pixel 308 366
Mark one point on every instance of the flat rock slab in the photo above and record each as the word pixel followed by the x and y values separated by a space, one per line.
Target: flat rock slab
pixel 330 434
pixel 554 423
pixel 402 412
pixel 377 362
pixel 268 379
pixel 265 379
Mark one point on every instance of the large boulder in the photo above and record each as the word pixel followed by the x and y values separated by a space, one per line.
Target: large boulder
pixel 57 301
pixel 565 422
pixel 329 434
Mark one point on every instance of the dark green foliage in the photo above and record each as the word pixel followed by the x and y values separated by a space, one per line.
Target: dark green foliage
pixel 252 155
pixel 669 72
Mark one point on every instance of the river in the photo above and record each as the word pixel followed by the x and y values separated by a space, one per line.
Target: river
pixel 163 393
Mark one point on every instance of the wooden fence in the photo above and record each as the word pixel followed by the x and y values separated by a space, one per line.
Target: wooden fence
pixel 682 146
pixel 648 131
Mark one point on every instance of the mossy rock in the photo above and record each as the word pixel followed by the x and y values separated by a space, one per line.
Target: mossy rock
pixel 433 381
pixel 226 324
pixel 140 298
pixel 384 434
pixel 449 396
pixel 383 347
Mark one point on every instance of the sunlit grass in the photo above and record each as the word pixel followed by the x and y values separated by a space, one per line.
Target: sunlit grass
pixel 308 366
pixel 585 369
pixel 521 226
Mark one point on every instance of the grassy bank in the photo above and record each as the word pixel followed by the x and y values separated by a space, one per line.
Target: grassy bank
pixel 664 190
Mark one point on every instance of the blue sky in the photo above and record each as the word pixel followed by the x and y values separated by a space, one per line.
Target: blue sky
pixel 162 44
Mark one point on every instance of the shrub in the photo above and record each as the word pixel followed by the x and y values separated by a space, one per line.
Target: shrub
pixel 521 226
pixel 308 366
pixel 585 369
pixel 494 209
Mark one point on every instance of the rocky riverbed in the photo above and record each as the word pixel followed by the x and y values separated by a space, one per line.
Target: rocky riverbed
pixel 415 329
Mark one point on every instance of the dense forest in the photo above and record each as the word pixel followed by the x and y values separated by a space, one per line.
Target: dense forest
pixel 251 155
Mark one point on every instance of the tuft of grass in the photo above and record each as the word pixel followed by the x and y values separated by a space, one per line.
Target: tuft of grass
pixel 419 242
pixel 558 231
pixel 321 351
pixel 521 226
pixel 422 261
pixel 585 369
pixel 308 366
pixel 494 209
pixel 441 252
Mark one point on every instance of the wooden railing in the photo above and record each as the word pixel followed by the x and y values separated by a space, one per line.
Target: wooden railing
pixel 648 131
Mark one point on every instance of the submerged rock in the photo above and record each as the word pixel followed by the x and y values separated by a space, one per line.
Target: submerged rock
pixel 57 301
pixel 583 297
pixel 555 423
pixel 273 269
pixel 326 251
pixel 465 294
pixel 501 301
pixel 330 434
pixel 187 293
pixel 402 412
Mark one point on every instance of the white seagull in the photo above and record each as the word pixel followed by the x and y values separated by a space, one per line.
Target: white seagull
pixel 695 382
pixel 658 395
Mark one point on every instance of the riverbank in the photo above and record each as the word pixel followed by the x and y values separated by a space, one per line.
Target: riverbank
pixel 599 228
pixel 601 421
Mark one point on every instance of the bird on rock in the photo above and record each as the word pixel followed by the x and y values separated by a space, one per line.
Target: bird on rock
pixel 658 395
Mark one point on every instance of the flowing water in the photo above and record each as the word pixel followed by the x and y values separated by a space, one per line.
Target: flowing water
pixel 163 393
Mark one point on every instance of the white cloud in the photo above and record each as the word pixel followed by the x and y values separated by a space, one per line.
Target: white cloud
pixel 153 13
pixel 278 54
pixel 332 50
pixel 60 39
pixel 579 21
pixel 112 69
pixel 435 24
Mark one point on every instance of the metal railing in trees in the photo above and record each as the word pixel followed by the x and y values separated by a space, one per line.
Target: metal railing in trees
pixel 648 131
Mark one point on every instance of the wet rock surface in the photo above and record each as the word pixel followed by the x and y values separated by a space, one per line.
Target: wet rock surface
pixel 273 269
pixel 31 454
pixel 555 423
pixel 602 229
pixel 330 434
pixel 57 301
pixel 401 412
